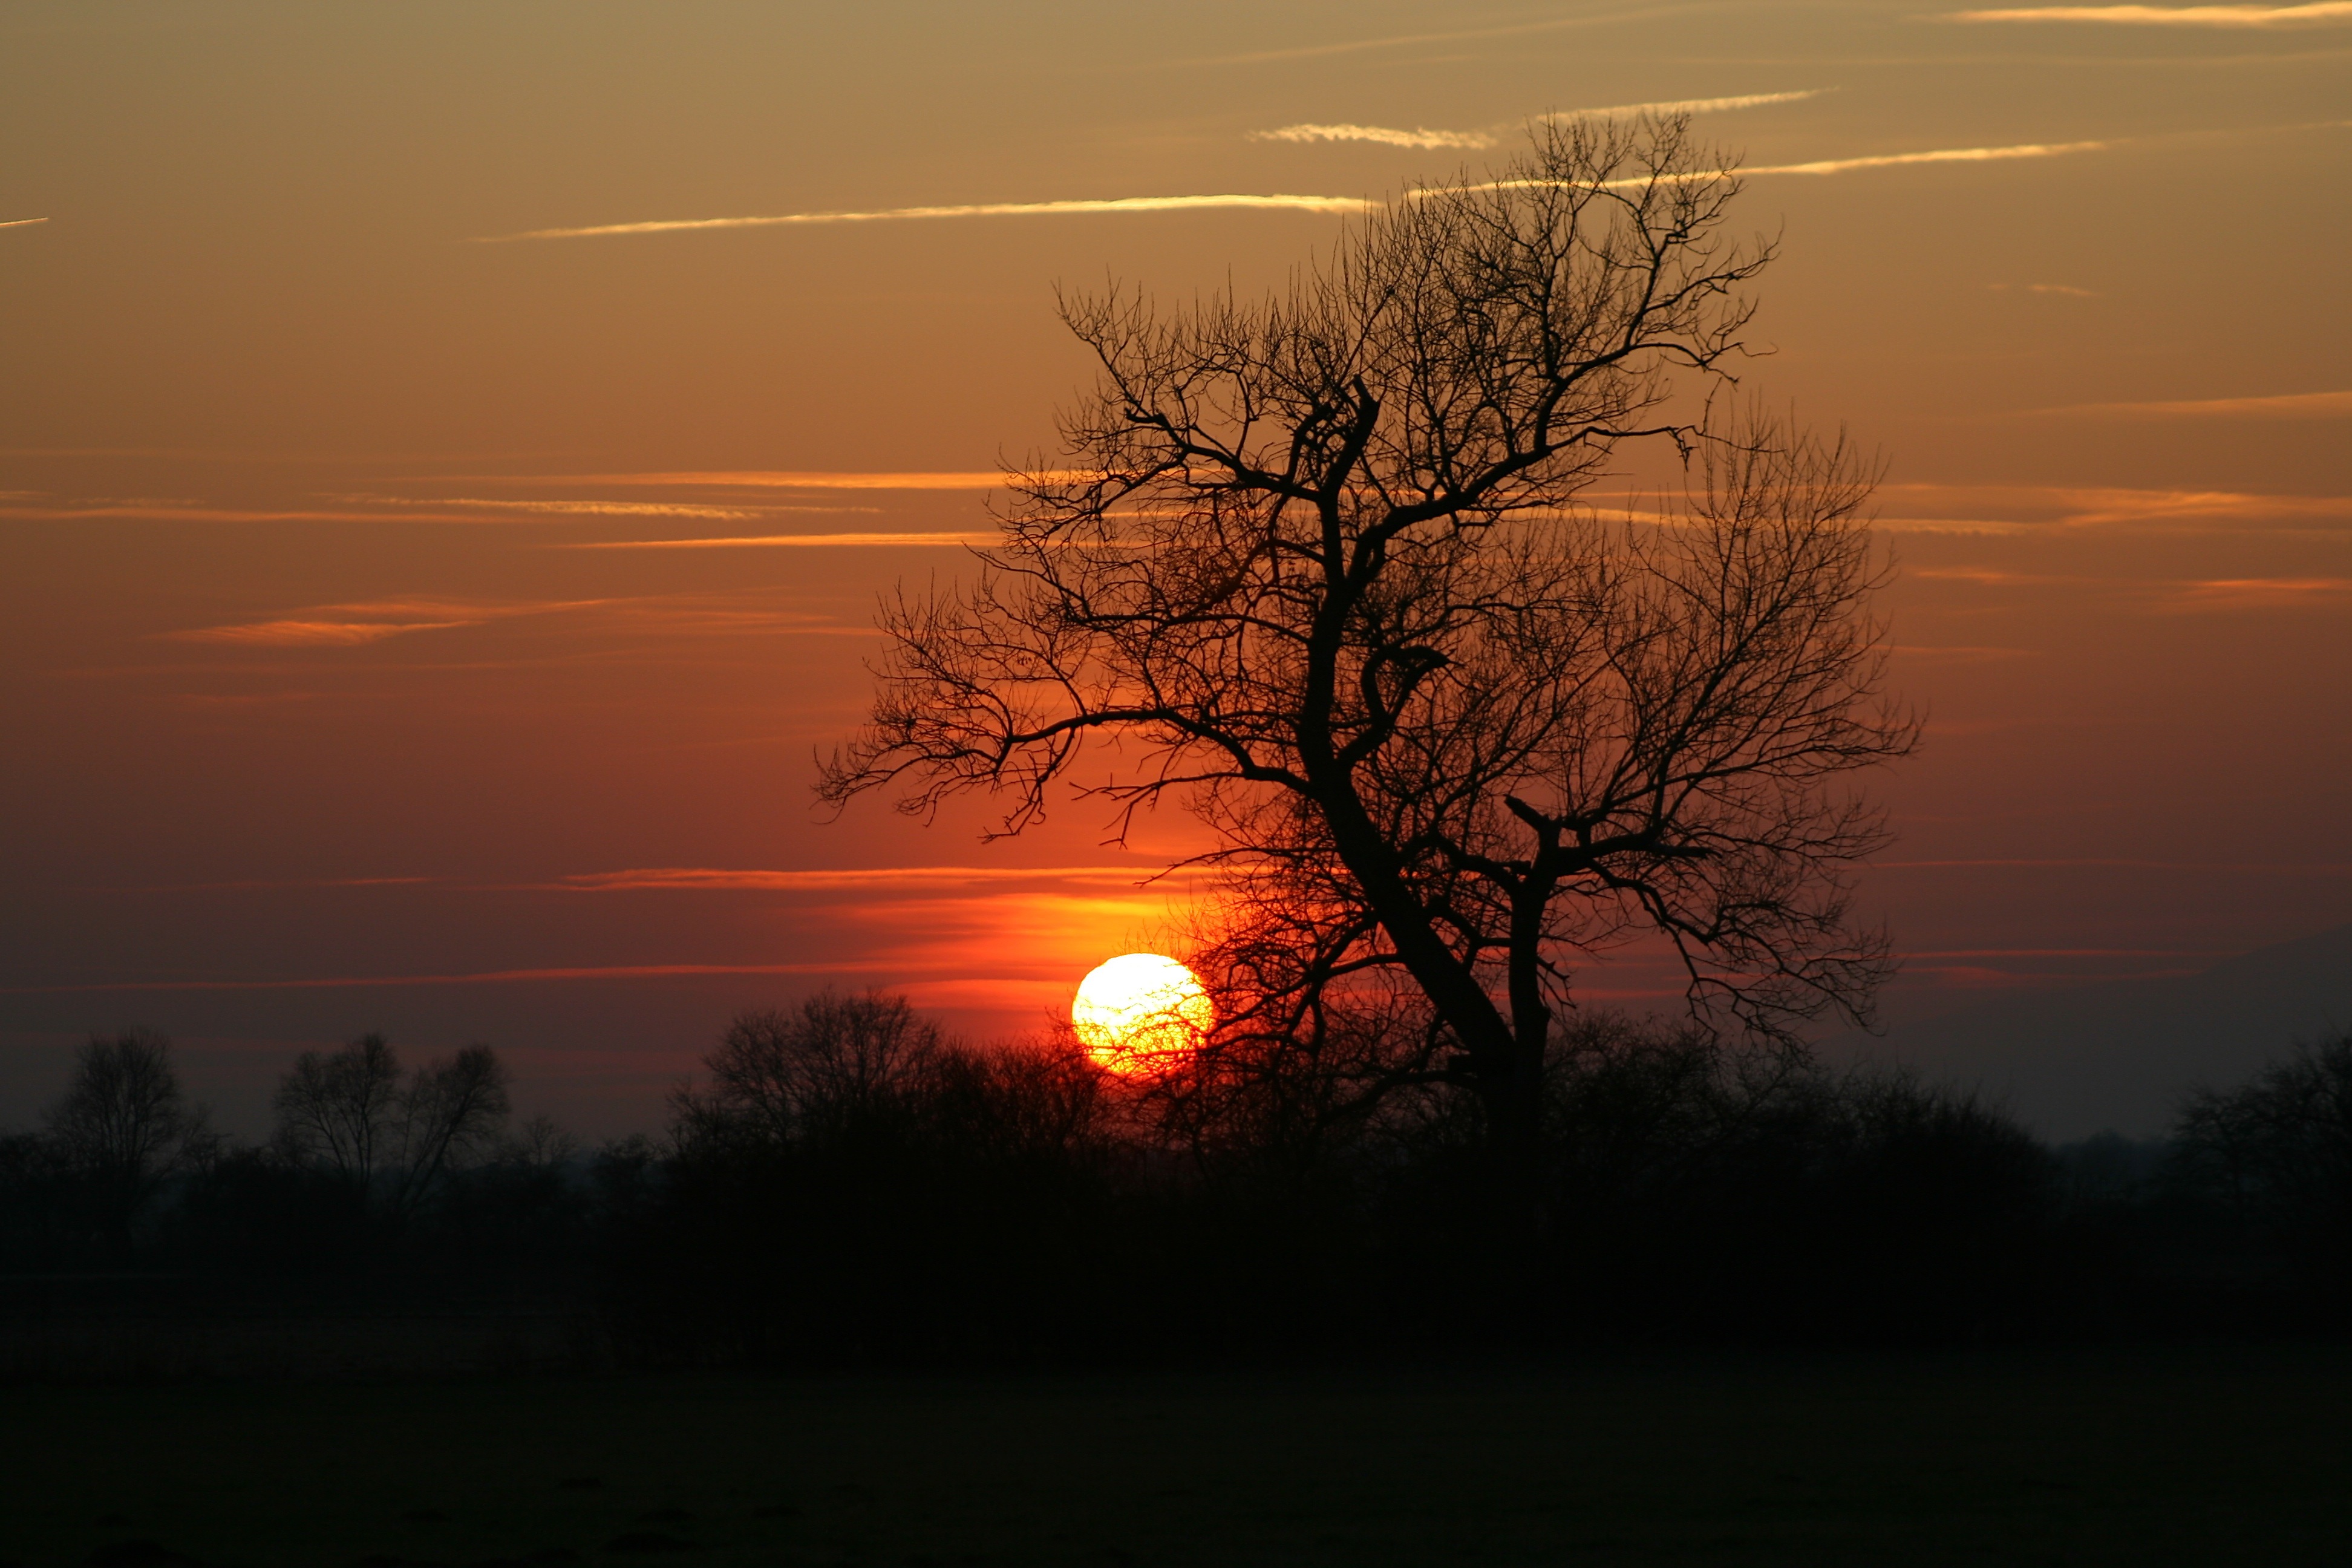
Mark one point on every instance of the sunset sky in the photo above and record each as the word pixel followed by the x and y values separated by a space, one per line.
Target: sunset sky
pixel 419 610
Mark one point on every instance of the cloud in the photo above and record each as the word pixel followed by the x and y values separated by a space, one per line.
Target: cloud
pixel 791 541
pixel 1490 136
pixel 2074 952
pixel 2290 405
pixel 1984 577
pixel 977 209
pixel 2172 15
pixel 1380 133
pixel 1960 654
pixel 2261 594
pixel 707 878
pixel 1944 155
pixel 21 222
pixel 580 507
pixel 386 619
pixel 480 977
pixel 1295 203
pixel 2172 596
pixel 781 480
pixel 1837 166
pixel 311 633
pixel 1692 105
pixel 2175 510
pixel 173 511
pixel 250 885
pixel 2291 868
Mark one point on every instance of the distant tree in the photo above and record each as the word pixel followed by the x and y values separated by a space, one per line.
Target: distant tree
pixel 339 1110
pixel 833 1066
pixel 540 1145
pixel 2278 1151
pixel 123 1124
pixel 1323 569
pixel 350 1113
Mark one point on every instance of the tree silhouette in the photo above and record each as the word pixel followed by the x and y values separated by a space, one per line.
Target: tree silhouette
pixel 833 1066
pixel 2278 1151
pixel 1322 569
pixel 349 1114
pixel 123 1124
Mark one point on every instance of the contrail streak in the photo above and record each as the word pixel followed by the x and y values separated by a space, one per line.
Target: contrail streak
pixel 1488 138
pixel 1945 155
pixel 20 222
pixel 1380 133
pixel 1839 165
pixel 976 209
pixel 1302 204
pixel 2170 16
pixel 2288 405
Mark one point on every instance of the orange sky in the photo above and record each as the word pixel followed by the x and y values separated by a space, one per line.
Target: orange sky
pixel 321 659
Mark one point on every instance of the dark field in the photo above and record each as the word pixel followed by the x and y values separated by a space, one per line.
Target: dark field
pixel 2144 1456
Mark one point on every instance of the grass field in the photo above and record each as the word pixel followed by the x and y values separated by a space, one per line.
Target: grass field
pixel 2174 1456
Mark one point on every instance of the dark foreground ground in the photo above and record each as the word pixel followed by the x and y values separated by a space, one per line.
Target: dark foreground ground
pixel 2203 1455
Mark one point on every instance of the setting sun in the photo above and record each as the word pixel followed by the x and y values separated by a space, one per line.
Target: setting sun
pixel 1140 1007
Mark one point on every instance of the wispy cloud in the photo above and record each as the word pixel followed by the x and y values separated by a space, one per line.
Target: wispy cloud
pixel 2291 406
pixel 1294 203
pixel 1491 135
pixel 2172 15
pixel 1839 165
pixel 790 541
pixel 2172 594
pixel 274 885
pixel 479 977
pixel 1954 653
pixel 1691 105
pixel 975 209
pixel 311 633
pixel 710 878
pixel 577 508
pixel 2043 505
pixel 2303 868
pixel 174 511
pixel 342 626
pixel 778 479
pixel 1985 577
pixel 2261 594
pixel 2073 952
pixel 1942 156
pixel 1385 135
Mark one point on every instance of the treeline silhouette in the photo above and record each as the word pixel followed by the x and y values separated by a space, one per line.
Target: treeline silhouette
pixel 847 1186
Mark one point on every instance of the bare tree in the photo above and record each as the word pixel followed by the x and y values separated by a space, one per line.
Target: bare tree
pixel 833 1063
pixel 339 1110
pixel 452 1111
pixel 349 1112
pixel 2279 1151
pixel 1322 568
pixel 123 1124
